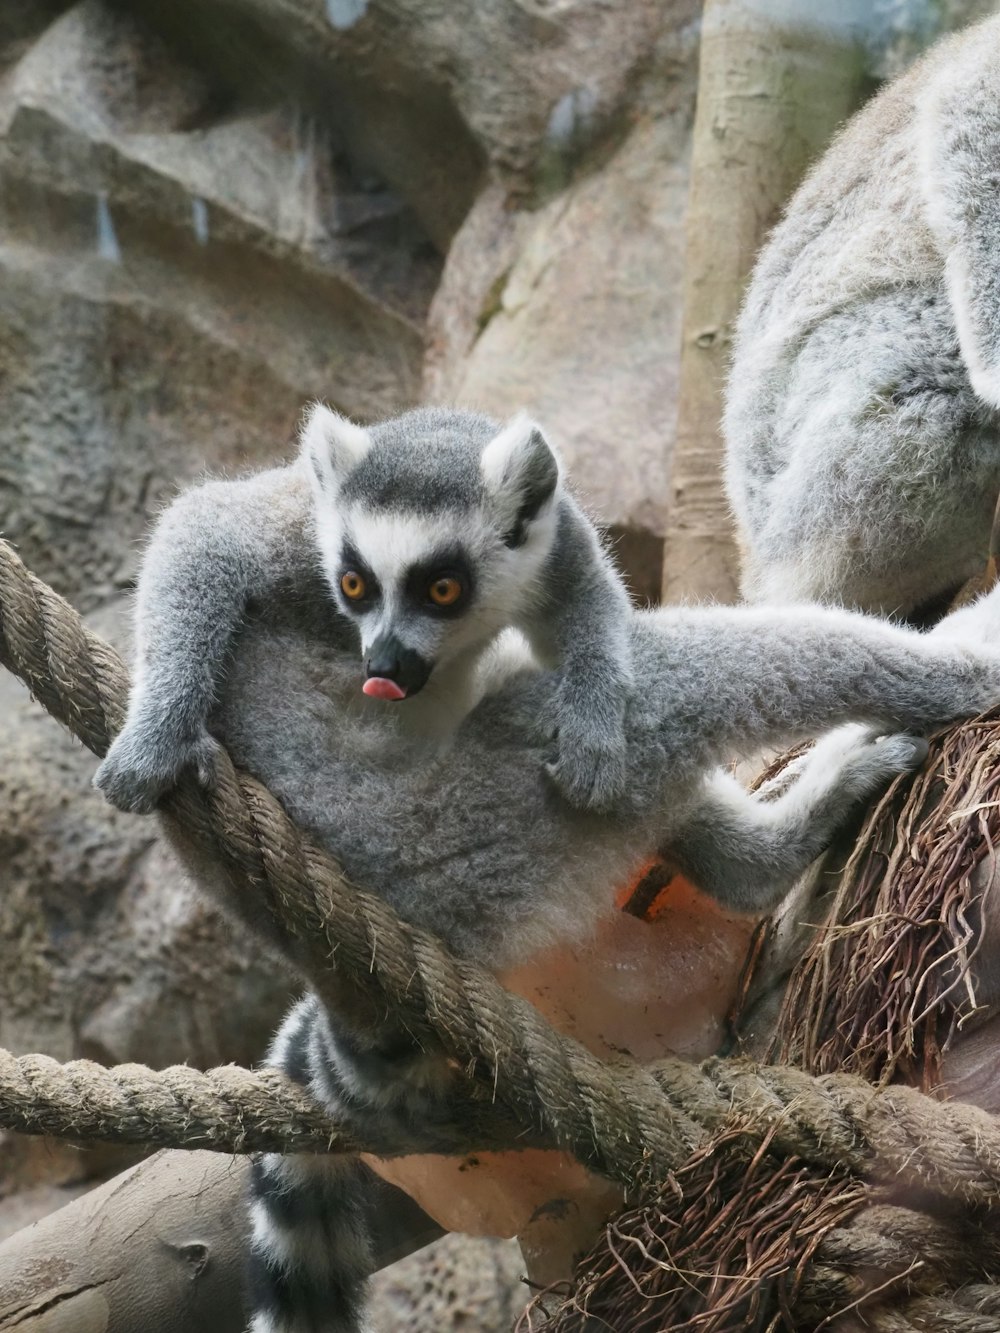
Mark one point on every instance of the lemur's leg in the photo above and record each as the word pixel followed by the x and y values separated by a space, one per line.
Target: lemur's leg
pixel 747 852
pixel 738 678
pixel 786 667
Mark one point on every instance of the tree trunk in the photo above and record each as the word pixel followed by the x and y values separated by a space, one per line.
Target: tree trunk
pixel 159 1249
pixel 771 92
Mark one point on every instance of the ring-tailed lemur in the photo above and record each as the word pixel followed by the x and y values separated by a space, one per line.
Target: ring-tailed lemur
pixel 863 413
pixel 435 531
pixel 240 639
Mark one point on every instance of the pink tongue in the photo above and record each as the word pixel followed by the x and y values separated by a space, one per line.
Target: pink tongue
pixel 377 687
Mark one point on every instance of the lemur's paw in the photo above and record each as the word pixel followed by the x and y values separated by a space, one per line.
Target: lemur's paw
pixel 904 752
pixel 142 765
pixel 590 775
pixel 875 764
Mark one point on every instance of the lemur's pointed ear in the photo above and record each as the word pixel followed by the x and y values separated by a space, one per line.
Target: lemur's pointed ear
pixel 332 446
pixel 521 471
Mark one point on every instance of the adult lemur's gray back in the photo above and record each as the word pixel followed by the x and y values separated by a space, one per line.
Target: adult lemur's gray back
pixel 863 415
pixel 250 617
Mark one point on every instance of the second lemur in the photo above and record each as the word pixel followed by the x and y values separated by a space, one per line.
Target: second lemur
pixel 863 409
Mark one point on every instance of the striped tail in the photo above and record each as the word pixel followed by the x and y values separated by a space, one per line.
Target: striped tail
pixel 310 1251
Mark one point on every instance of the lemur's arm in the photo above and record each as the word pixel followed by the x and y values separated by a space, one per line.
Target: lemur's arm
pixel 726 680
pixel 958 120
pixel 583 624
pixel 212 550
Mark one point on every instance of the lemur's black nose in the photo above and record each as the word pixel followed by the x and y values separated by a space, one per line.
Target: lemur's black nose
pixel 384 665
pixel 391 661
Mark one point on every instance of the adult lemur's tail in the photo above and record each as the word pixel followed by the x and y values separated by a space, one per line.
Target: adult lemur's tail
pixel 311 1252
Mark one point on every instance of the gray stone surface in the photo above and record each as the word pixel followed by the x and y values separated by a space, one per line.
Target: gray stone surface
pixel 460 1284
pixel 173 288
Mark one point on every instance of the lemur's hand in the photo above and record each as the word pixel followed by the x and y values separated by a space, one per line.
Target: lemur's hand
pixel 146 760
pixel 590 768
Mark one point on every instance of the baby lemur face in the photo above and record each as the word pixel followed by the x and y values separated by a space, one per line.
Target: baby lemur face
pixel 433 529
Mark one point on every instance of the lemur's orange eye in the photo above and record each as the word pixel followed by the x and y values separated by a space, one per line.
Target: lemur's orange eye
pixel 445 592
pixel 352 585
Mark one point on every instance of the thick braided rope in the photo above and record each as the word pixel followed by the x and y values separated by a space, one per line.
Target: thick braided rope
pixel 922 1258
pixel 949 1148
pixel 941 1314
pixel 614 1118
pixel 229 1109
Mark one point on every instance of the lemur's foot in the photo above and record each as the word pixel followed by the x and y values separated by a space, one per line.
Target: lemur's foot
pixel 860 761
pixel 874 764
pixel 143 764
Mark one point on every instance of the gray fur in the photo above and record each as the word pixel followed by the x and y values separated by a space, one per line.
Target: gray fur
pixel 238 637
pixel 731 837
pixel 863 413
pixel 443 808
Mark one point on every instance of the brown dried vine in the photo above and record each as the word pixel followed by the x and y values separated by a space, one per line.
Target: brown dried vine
pixel 888 979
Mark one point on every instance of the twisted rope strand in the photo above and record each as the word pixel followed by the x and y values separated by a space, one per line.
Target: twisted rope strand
pixel 932 1314
pixel 228 1109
